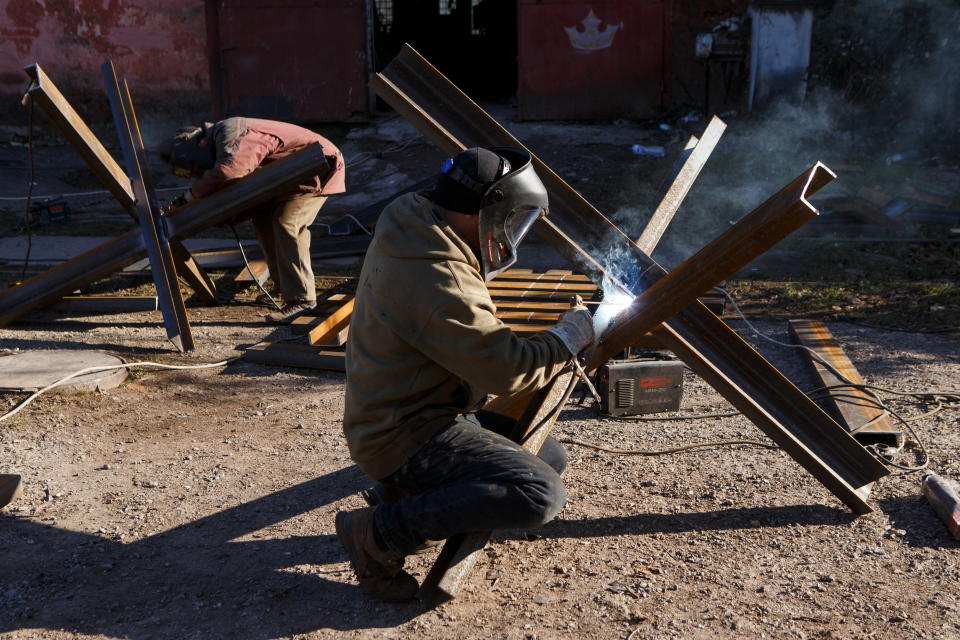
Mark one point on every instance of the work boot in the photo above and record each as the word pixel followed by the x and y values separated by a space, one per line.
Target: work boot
pixel 379 572
pixel 385 494
pixel 291 310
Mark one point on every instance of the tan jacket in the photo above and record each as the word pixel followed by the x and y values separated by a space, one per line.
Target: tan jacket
pixel 424 344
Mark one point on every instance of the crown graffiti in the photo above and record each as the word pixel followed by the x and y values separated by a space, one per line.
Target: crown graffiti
pixel 592 38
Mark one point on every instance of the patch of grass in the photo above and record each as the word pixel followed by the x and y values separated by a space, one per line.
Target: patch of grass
pixel 920 306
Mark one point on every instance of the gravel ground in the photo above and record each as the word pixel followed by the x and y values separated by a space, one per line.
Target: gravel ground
pixel 200 504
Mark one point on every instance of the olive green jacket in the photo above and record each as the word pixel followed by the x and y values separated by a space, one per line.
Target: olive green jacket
pixel 424 343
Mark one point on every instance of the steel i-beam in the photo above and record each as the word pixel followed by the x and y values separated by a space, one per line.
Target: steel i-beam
pixel 44 93
pixel 46 288
pixel 148 211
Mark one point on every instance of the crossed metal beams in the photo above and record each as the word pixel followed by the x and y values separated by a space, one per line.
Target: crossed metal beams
pixel 576 229
pixel 44 93
pixel 162 232
pixel 46 288
pixel 148 211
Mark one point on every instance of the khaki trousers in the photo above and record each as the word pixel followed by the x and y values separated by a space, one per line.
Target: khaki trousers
pixel 283 232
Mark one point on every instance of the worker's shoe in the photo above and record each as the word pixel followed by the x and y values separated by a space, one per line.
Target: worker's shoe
pixel 379 572
pixel 385 494
pixel 291 310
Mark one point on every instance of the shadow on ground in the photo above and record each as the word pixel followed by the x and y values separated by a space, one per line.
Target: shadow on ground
pixel 195 580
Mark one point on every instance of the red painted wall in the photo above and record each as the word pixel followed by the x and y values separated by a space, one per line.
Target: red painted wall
pixel 158 45
pixel 597 59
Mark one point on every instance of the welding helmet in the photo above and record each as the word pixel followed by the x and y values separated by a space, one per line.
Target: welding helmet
pixel 501 186
pixel 185 155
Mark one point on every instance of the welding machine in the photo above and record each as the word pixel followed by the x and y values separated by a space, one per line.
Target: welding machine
pixel 49 211
pixel 641 385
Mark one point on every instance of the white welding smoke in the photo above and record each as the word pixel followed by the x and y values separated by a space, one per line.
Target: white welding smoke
pixel 615 299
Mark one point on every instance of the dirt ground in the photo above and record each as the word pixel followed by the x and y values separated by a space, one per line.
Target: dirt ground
pixel 200 504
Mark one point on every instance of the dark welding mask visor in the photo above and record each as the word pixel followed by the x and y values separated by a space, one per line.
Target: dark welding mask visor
pixel 508 209
pixel 500 239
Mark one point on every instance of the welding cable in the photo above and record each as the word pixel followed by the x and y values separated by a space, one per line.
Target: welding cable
pixel 685 417
pixel 329 227
pixel 848 384
pixel 586 381
pixel 128 366
pixel 27 214
pixel 663 452
pixel 243 255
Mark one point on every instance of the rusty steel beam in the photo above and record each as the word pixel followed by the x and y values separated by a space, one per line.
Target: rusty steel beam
pixel 668 293
pixel 581 233
pixel 148 212
pixel 45 94
pixel 858 411
pixel 683 179
pixel 46 288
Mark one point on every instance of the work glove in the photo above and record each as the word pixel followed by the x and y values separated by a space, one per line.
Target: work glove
pixel 575 329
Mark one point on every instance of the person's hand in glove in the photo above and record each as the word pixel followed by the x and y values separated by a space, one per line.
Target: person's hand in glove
pixel 575 329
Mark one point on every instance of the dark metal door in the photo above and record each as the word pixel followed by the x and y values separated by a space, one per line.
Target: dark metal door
pixel 304 60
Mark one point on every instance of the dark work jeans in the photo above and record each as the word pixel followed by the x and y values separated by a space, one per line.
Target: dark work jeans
pixel 470 478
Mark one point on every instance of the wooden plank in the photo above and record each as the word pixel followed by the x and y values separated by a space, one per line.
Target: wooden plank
pixel 539 296
pixel 107 304
pixel 302 356
pixel 301 325
pixel 335 337
pixel 505 304
pixel 523 329
pixel 548 276
pixel 332 327
pixel 539 287
pixel 847 411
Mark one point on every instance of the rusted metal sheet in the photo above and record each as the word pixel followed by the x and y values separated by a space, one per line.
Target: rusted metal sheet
pixel 303 60
pixel 580 232
pixel 148 212
pixel 680 185
pixel 61 113
pixel 587 60
pixel 46 288
pixel 857 410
